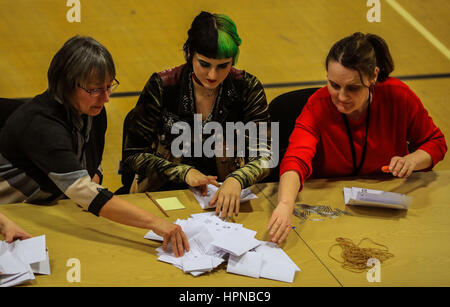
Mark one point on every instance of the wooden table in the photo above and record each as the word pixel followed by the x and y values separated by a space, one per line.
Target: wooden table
pixel 419 238
pixel 112 254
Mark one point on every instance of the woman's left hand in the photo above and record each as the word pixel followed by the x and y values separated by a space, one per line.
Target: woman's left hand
pixel 11 231
pixel 402 167
pixel 227 198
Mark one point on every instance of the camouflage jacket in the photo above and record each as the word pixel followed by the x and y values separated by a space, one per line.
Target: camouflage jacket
pixel 168 98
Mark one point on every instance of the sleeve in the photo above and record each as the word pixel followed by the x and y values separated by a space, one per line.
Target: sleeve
pixel 99 172
pixel 256 111
pixel 422 132
pixel 141 137
pixel 302 144
pixel 48 145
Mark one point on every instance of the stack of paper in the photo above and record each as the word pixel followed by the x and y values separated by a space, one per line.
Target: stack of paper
pixel 19 260
pixel 246 195
pixel 213 241
pixel 376 198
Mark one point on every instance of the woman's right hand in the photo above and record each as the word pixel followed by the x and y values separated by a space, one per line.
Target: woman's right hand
pixel 195 178
pixel 171 233
pixel 280 223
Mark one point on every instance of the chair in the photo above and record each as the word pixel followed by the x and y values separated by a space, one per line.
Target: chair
pixel 7 107
pixel 285 109
pixel 126 174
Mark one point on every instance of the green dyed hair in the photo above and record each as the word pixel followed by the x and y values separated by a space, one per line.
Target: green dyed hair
pixel 228 40
pixel 214 36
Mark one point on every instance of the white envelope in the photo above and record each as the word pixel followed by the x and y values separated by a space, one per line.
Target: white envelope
pixel 282 271
pixel 249 264
pixel 376 198
pixel 246 195
pixel 235 243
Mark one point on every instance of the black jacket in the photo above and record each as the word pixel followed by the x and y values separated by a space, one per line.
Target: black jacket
pixel 47 150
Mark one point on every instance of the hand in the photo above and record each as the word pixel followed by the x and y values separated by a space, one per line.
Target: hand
pixel 402 167
pixel 11 231
pixel 227 198
pixel 173 234
pixel 96 179
pixel 280 223
pixel 195 178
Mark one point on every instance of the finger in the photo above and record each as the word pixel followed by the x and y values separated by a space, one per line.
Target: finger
pixel 207 180
pixel 398 167
pixel 185 241
pixel 279 232
pixel 214 182
pixel 165 242
pixel 272 220
pixel 9 237
pixel 214 199
pixel 393 164
pixel 410 171
pixel 225 206
pixel 403 171
pixel 285 234
pixel 202 181
pixel 219 204
pixel 204 190
pixel 173 240
pixel 179 243
pixel 274 230
pixel 237 205
pixel 231 207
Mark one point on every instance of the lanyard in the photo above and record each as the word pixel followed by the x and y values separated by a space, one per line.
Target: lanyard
pixel 356 169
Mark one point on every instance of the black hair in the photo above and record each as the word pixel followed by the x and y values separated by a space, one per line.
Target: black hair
pixel 363 52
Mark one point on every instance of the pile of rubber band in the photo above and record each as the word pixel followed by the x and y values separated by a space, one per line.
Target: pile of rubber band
pixel 355 257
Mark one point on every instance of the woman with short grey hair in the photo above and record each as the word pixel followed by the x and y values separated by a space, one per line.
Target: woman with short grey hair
pixel 53 145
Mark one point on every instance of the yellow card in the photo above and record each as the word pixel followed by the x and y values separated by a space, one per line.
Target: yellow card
pixel 170 203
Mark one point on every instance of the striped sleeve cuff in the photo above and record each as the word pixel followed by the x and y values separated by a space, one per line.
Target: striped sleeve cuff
pixel 79 187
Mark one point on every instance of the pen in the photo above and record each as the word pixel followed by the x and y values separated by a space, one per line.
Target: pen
pixel 385 169
pixel 157 205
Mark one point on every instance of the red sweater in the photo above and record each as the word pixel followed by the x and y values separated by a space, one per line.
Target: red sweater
pixel 319 145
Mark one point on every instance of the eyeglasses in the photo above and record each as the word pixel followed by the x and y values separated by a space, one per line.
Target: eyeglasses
pixel 98 91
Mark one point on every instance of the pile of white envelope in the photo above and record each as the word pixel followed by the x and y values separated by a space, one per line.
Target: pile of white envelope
pixel 213 241
pixel 20 260
pixel 376 198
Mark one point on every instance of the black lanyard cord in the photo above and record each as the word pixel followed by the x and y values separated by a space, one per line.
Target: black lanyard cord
pixel 357 169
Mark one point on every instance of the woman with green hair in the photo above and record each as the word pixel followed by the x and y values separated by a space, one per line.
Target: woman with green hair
pixel 206 89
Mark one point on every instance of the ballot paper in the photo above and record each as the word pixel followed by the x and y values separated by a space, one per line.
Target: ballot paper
pixel 246 195
pixel 213 241
pixel 376 198
pixel 20 260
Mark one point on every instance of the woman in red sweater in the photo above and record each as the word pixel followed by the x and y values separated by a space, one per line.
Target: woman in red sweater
pixel 362 120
